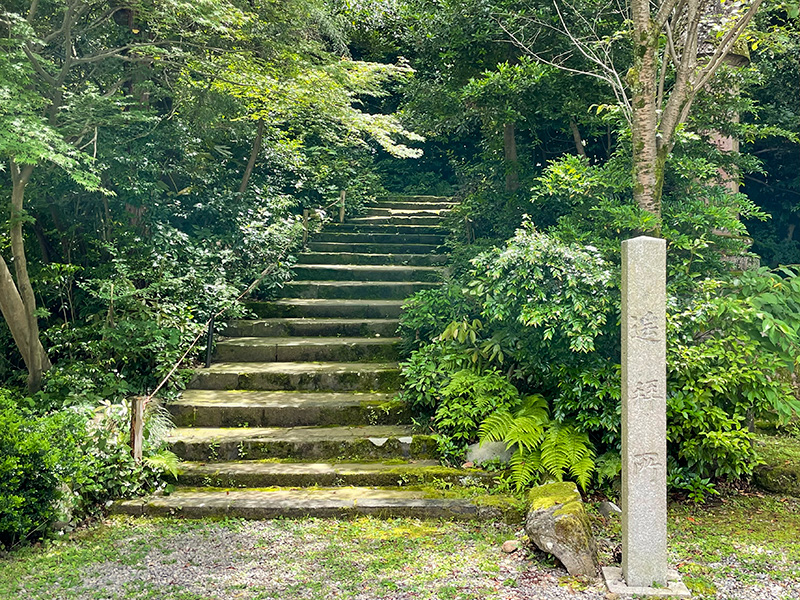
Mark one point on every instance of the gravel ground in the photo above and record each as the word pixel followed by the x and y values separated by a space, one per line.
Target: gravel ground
pixel 316 559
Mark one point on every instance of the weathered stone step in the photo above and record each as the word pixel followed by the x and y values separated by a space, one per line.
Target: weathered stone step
pixel 311 327
pixel 350 258
pixel 373 248
pixel 328 308
pixel 362 290
pixel 289 349
pixel 299 503
pixel 332 376
pixel 411 205
pixel 262 474
pixel 247 408
pixel 399 220
pixel 368 442
pixel 351 227
pixel 368 273
pixel 418 198
pixel 344 237
pixel 407 212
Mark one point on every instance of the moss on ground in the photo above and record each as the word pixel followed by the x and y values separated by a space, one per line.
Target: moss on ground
pixel 780 471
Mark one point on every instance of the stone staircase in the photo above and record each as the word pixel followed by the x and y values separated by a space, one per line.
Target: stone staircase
pixel 297 414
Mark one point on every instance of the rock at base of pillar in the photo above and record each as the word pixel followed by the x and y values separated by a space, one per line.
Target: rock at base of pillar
pixel 615 582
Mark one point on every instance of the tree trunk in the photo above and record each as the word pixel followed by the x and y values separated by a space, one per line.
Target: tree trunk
pixel 34 355
pixel 512 161
pixel 253 156
pixel 648 164
pixel 576 137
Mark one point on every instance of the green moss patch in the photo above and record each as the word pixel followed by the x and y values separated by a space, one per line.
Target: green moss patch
pixel 781 469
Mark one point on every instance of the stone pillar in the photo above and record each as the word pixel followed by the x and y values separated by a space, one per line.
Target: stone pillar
pixel 644 420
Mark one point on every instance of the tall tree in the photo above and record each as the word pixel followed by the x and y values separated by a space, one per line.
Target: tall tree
pixel 670 65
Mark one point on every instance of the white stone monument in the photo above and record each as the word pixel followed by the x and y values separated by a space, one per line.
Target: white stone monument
pixel 644 425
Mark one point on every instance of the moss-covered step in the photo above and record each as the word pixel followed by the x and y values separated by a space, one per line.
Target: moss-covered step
pixel 397 228
pixel 301 376
pixel 261 474
pixel 346 237
pixel 373 248
pixel 368 442
pixel 290 349
pixel 298 503
pixel 368 273
pixel 352 258
pixel 430 203
pixel 312 327
pixel 780 472
pixel 247 408
pixel 402 220
pixel 360 290
pixel 327 308
pixel 431 211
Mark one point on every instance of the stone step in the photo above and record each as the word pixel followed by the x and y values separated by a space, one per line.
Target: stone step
pixel 312 327
pixel 388 228
pixel 344 237
pixel 373 248
pixel 299 503
pixel 246 408
pixel 328 308
pixel 418 198
pixel 300 376
pixel 398 220
pixel 367 442
pixel 263 474
pixel 291 349
pixel 412 205
pixel 350 258
pixel 361 290
pixel 368 273
pixel 406 212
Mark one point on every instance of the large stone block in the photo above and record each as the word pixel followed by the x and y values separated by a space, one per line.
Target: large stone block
pixel 644 393
pixel 557 523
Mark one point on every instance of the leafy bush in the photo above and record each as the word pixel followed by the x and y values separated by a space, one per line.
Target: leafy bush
pixel 29 484
pixel 468 399
pixel 426 314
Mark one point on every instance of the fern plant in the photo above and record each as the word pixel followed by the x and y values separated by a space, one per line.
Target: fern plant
pixel 542 447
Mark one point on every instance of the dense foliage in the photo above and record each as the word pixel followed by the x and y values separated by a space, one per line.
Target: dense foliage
pixel 155 157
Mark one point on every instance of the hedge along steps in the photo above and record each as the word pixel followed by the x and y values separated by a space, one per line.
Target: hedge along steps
pixel 305 395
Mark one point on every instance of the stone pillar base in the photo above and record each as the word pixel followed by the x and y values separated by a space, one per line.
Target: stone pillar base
pixel 615 582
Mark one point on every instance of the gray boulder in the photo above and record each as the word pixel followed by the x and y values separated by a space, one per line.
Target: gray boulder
pixel 557 523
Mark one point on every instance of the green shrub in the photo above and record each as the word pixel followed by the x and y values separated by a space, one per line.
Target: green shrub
pixel 468 399
pixel 427 313
pixel 29 485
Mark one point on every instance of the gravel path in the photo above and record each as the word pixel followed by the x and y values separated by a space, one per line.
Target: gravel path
pixel 316 559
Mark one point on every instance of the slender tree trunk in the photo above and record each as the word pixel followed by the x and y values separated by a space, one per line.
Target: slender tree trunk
pixel 253 156
pixel 576 137
pixel 648 168
pixel 35 357
pixel 512 161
